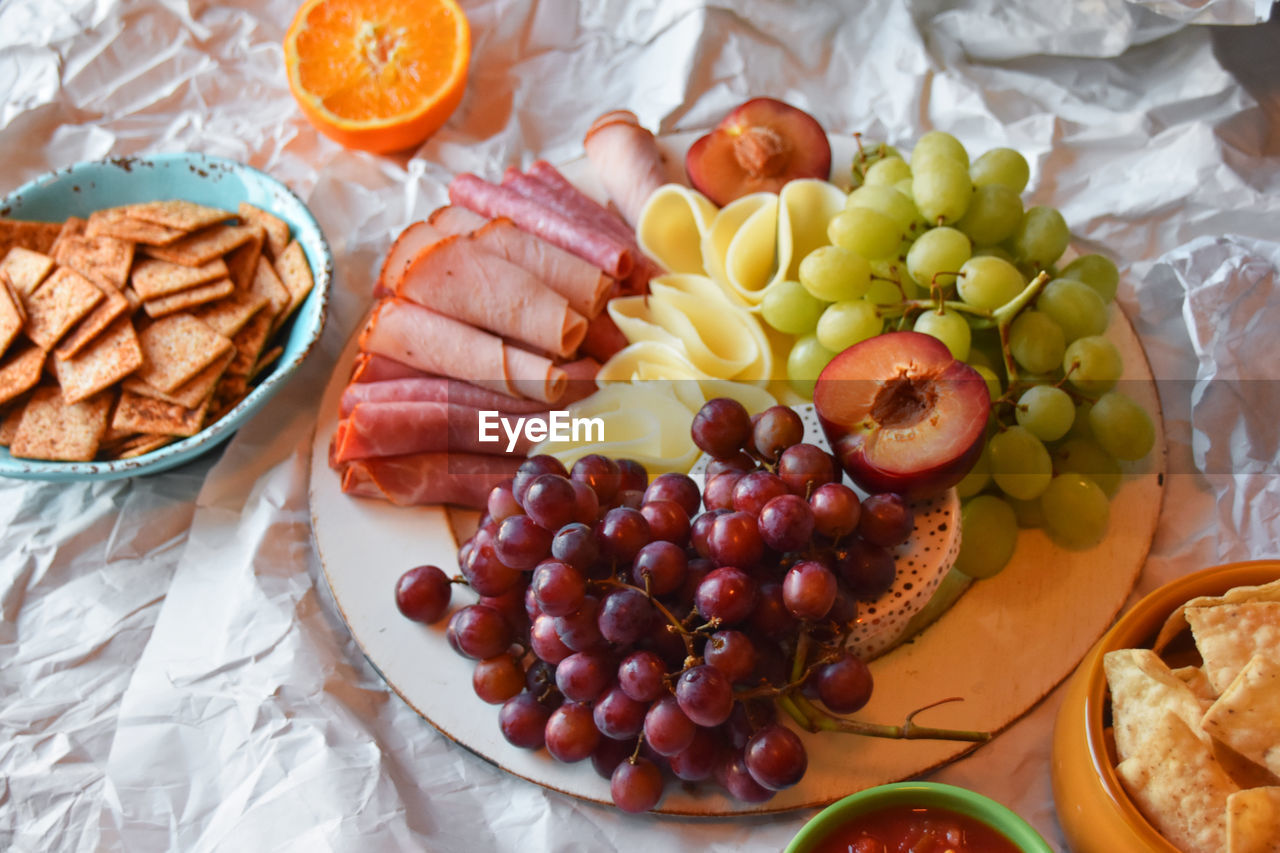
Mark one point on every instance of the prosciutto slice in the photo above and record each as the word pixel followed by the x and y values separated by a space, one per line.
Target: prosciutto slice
pixel 627 161
pixel 455 277
pixel 398 428
pixel 437 344
pixel 463 479
pixel 608 253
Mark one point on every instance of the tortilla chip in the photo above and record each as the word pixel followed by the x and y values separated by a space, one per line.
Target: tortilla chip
pixel 177 213
pixel 277 229
pixel 189 298
pixel 155 278
pixel 58 304
pixel 295 274
pixel 1246 716
pixel 20 371
pixel 116 222
pixel 52 429
pixel 26 269
pixel 1195 679
pixel 113 356
pixel 103 260
pixel 192 392
pixel 1176 622
pixel 1143 690
pixel 113 307
pixel 204 245
pixel 1253 821
pixel 267 284
pixel 1228 635
pixel 36 236
pixel 228 316
pixel 243 260
pixel 147 414
pixel 176 348
pixel 1180 788
pixel 141 444
pixel 12 314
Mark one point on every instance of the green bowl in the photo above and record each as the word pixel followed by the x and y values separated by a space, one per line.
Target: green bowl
pixel 923 794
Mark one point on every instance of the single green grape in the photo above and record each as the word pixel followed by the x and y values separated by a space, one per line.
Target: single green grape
pixel 937 256
pixel 939 142
pixel 989 536
pixel 869 153
pixel 831 273
pixel 977 478
pixel 941 190
pixel 997 252
pixel 1075 306
pixel 896 270
pixel 1003 166
pixel 987 282
pixel 805 361
pixel 868 232
pixel 1121 426
pixel 1092 364
pixel 994 213
pixel 950 327
pixel 887 172
pixel 886 200
pixel 1041 237
pixel 1020 464
pixel 1036 342
pixel 1085 456
pixel 883 292
pixel 1097 271
pixel 1077 512
pixel 1080 426
pixel 994 387
pixel 789 308
pixel 844 324
pixel 1046 411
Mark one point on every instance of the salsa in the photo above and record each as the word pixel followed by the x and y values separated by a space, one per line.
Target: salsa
pixel 910 829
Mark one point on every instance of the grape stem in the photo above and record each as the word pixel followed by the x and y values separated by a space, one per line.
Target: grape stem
pixel 1008 312
pixel 814 719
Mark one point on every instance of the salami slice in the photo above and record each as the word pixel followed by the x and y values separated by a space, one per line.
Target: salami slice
pixel 463 479
pixel 610 254
pixel 401 427
pixel 453 276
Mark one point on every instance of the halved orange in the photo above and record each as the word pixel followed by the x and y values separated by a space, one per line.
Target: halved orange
pixel 378 75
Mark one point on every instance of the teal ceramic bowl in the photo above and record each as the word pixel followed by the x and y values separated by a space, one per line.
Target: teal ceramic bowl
pixel 922 794
pixel 85 187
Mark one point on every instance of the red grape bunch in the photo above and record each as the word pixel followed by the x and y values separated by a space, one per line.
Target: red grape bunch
pixel 658 630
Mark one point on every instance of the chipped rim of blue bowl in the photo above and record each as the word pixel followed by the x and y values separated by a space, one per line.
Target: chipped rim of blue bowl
pixel 80 189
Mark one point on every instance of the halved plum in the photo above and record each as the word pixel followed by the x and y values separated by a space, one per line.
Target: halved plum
pixel 759 146
pixel 902 414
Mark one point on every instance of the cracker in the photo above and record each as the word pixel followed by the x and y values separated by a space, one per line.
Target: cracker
pixel 203 245
pixel 147 414
pixel 295 274
pixel 112 307
pixel 176 348
pixel 243 260
pixel 177 213
pixel 20 371
pixel 116 222
pixel 103 260
pixel 73 227
pixel 249 342
pixel 1253 821
pixel 36 236
pixel 52 429
pixel 61 301
pixel 141 444
pixel 12 314
pixel 9 426
pixel 26 269
pixel 154 278
pixel 111 357
pixel 229 315
pixel 267 284
pixel 1228 635
pixel 1246 717
pixel 190 393
pixel 277 229
pixel 192 297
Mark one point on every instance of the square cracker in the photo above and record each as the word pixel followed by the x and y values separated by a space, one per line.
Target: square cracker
pixel 20 371
pixel 26 269
pixel 277 229
pixel 192 297
pixel 243 260
pixel 229 315
pixel 116 222
pixel 204 245
pixel 147 414
pixel 177 213
pixel 111 357
pixel 110 309
pixel 295 274
pixel 36 236
pixel 103 260
pixel 1180 788
pixel 12 314
pixel 1246 717
pixel 1253 821
pixel 140 444
pixel 74 226
pixel 1143 690
pixel 249 343
pixel 190 393
pixel 1228 635
pixel 267 284
pixel 58 304
pixel 176 348
pixel 52 429
pixel 154 278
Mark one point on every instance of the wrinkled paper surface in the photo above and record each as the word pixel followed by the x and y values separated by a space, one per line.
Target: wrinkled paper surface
pixel 174 673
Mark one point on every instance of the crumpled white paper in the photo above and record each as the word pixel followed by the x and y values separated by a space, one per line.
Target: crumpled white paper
pixel 173 671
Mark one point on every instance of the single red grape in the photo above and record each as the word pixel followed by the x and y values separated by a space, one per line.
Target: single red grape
pixel 423 593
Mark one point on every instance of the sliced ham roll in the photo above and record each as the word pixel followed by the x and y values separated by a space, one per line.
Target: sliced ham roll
pixel 369 367
pixel 412 240
pixel 607 252
pixel 399 428
pixel 627 161
pixel 464 479
pixel 453 276
pixel 581 283
pixel 437 344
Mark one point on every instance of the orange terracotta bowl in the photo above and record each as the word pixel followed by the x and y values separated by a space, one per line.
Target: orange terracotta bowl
pixel 1096 814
